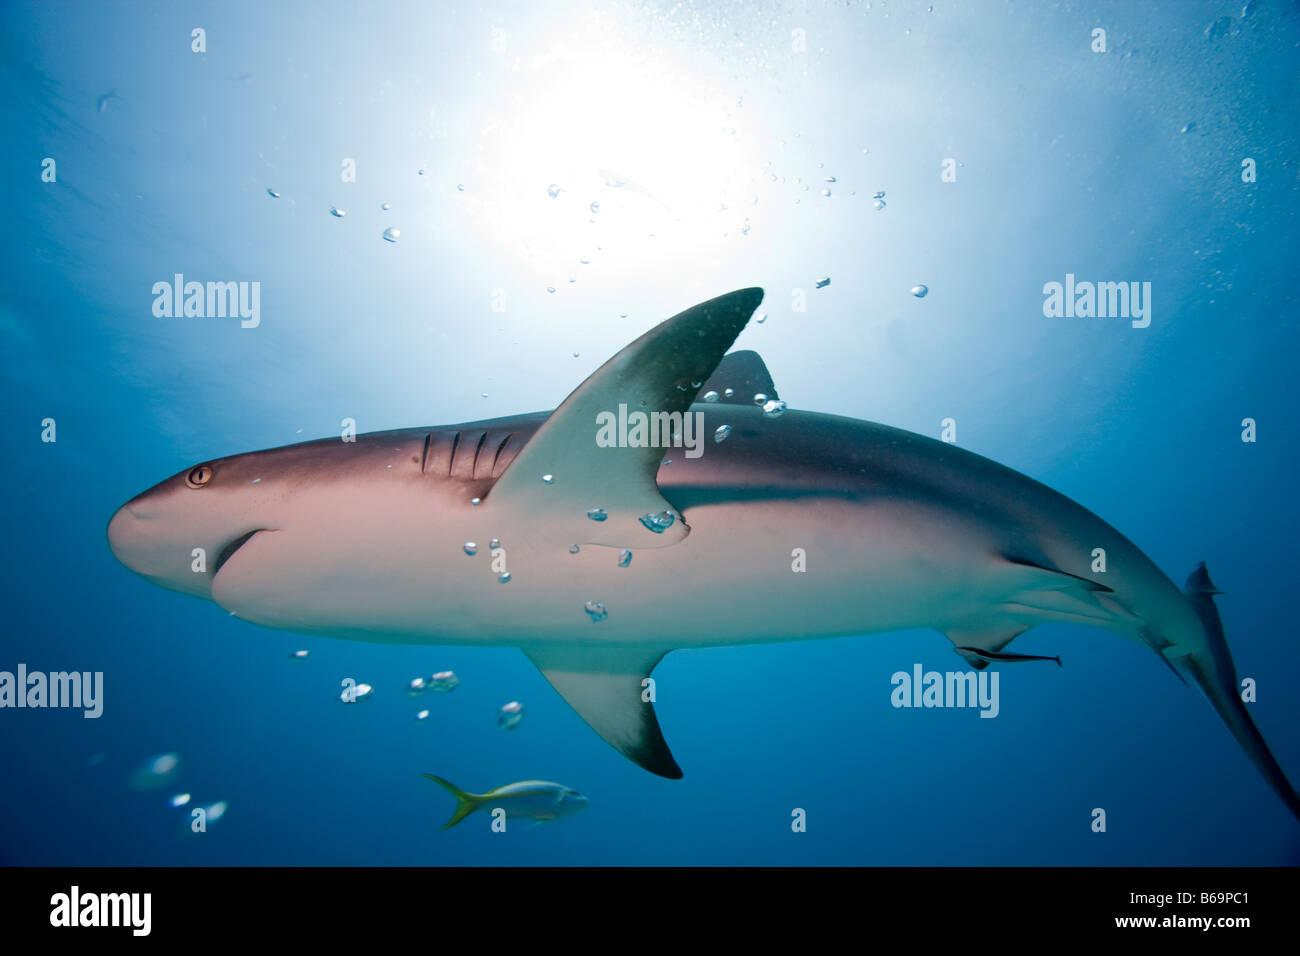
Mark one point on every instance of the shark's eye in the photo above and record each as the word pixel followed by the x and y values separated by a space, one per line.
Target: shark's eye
pixel 199 476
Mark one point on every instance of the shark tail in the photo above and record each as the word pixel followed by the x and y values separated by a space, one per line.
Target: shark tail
pixel 1217 679
pixel 466 803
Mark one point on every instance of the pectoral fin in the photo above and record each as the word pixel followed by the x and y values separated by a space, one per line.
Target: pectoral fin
pixel 604 685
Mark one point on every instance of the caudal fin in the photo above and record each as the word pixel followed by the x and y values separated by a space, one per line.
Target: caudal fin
pixel 466 803
pixel 1217 679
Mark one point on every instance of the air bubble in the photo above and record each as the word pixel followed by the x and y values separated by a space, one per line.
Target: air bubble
pixel 658 523
pixel 510 715
pixel 444 681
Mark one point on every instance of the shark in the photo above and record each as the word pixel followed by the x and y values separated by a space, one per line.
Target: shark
pixel 597 558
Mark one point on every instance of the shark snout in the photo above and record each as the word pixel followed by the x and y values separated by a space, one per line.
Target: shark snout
pixel 145 542
pixel 124 534
pixel 134 540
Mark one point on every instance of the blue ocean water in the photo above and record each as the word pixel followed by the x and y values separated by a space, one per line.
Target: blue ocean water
pixel 707 136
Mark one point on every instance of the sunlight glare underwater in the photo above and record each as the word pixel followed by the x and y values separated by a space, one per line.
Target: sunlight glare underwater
pixel 648 160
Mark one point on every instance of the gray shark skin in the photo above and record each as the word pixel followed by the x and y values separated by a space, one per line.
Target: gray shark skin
pixel 364 540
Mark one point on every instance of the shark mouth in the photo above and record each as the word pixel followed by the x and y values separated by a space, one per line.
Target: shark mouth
pixel 229 550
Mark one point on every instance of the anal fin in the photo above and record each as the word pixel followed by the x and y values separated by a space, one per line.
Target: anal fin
pixel 604 686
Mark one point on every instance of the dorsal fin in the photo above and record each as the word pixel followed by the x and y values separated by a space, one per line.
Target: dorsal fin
pixel 569 467
pixel 744 374
pixel 604 685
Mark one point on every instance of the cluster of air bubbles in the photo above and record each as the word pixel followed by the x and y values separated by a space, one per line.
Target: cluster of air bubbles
pixel 722 433
pixel 336 212
pixel 596 611
pixel 920 291
pixel 624 558
pixel 658 523
pixel 710 396
pixel 510 715
pixel 392 234
pixel 355 693
pixel 596 514
pixel 774 408
pixel 470 548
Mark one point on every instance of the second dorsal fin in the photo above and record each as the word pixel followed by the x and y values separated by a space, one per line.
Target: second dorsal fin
pixel 743 375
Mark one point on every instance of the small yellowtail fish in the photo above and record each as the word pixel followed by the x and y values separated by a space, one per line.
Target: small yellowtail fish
pixel 537 800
